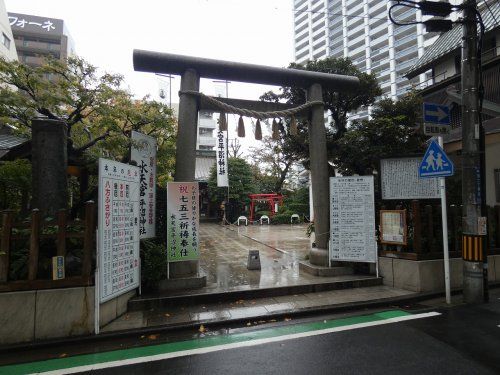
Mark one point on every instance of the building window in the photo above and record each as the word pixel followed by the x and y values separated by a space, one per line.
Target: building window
pixel 5 41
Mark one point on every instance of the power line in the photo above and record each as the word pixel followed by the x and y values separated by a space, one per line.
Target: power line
pixel 338 14
pixel 491 12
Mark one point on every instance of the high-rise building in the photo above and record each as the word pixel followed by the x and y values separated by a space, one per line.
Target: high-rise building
pixel 7 46
pixel 206 126
pixel 37 37
pixel 361 30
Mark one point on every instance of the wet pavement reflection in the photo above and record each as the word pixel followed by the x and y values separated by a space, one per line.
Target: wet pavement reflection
pixel 224 255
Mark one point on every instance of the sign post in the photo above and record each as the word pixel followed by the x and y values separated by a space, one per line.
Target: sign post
pixel 437 164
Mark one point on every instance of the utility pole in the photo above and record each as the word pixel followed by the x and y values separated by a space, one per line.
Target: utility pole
pixel 474 239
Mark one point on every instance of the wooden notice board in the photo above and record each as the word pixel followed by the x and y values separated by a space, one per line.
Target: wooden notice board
pixel 393 228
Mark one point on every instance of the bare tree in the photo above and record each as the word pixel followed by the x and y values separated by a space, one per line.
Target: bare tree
pixel 234 148
pixel 273 159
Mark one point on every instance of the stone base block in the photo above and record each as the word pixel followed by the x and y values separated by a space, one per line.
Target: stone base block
pixel 183 283
pixel 428 275
pixel 17 317
pixel 314 270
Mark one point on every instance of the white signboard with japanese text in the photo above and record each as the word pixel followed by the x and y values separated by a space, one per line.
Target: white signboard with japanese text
pixel 143 153
pixel 221 162
pixel 118 229
pixel 400 180
pixel 182 221
pixel 352 219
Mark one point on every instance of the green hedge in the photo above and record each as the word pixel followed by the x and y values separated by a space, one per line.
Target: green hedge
pixel 283 218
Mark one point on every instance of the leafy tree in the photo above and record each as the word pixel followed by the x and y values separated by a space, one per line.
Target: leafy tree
pixel 392 131
pixel 98 113
pixel 264 182
pixel 275 159
pixel 339 104
pixel 241 182
pixel 15 184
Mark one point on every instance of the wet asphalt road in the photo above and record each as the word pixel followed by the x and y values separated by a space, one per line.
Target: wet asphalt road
pixel 463 340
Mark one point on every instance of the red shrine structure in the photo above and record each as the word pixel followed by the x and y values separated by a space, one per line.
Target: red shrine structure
pixel 271 199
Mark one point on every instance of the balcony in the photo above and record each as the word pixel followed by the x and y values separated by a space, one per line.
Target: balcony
pixel 380 42
pixel 353 43
pixel 378 7
pixel 356 10
pixel 406 52
pixel 380 62
pixel 206 123
pixel 407 39
pixel 206 141
pixel 404 65
pixel 405 30
pixel 355 21
pixel 379 51
pixel 337 52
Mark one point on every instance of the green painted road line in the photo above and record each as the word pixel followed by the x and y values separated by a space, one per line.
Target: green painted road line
pixel 205 342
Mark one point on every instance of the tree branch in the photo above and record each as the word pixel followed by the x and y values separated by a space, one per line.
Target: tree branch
pixel 91 143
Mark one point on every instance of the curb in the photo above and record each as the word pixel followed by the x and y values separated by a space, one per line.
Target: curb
pixel 304 312
pixel 143 303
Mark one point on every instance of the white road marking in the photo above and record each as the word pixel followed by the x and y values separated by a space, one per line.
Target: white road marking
pixel 244 344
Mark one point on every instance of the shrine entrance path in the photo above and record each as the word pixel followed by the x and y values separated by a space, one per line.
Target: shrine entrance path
pixel 224 255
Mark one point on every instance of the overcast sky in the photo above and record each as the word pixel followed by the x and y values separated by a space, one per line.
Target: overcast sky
pixel 105 33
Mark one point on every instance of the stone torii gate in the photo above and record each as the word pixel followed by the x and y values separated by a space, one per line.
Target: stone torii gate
pixel 192 68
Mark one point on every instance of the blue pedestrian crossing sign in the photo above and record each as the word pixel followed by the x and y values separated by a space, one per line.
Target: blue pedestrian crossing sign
pixel 435 162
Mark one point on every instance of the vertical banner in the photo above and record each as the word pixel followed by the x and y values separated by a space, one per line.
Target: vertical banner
pixel 182 221
pixel 118 229
pixel 221 162
pixel 143 152
pixel 352 219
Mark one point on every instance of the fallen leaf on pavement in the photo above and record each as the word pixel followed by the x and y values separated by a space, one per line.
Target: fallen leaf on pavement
pixel 167 315
pixel 153 337
pixel 63 355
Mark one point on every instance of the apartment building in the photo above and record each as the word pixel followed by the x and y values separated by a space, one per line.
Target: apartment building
pixel 7 46
pixel 37 37
pixel 361 30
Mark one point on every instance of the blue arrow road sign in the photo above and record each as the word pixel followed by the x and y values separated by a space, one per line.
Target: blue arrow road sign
pixel 436 114
pixel 435 162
